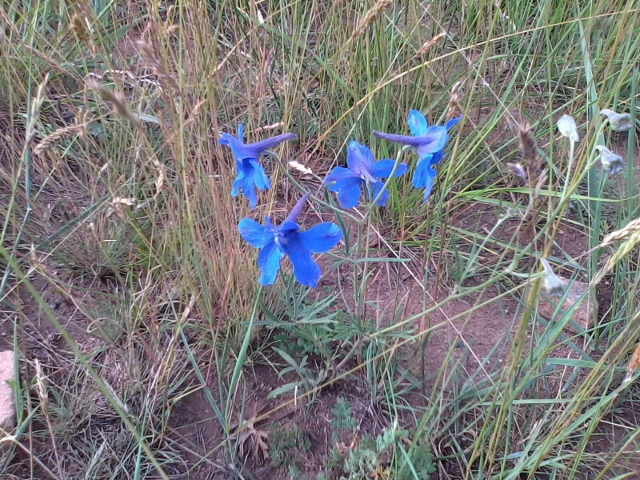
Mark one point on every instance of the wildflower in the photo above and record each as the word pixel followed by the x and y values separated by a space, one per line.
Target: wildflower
pixel 611 163
pixel 567 127
pixel 553 284
pixel 620 122
pixel 363 170
pixel 250 173
pixel 428 142
pixel 287 239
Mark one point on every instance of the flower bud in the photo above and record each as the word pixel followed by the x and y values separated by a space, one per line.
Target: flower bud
pixel 611 163
pixel 553 284
pixel 619 122
pixel 567 127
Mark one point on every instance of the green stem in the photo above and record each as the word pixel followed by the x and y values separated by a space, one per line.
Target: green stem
pixel 242 355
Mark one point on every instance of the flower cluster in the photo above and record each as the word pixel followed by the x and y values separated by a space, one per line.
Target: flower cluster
pixel 362 173
pixel 612 163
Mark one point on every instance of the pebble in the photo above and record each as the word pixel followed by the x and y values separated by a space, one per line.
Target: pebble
pixel 7 407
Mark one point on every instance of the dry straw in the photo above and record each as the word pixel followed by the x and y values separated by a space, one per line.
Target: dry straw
pixel 81 24
pixel 454 100
pixel 630 238
pixel 372 14
pixel 528 144
pixel 153 61
pixel 266 128
pixel 116 99
pixel 634 364
pixel 52 139
pixel 427 45
pixel 300 168
pixel 632 228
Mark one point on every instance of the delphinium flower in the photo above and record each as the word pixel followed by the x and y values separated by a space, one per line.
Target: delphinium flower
pixel 611 163
pixel 362 170
pixel 428 143
pixel 288 239
pixel 567 127
pixel 619 122
pixel 251 174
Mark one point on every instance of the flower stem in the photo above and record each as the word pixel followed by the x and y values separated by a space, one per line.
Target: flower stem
pixel 242 355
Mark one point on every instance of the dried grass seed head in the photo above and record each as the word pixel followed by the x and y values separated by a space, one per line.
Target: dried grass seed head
pixel 116 99
pixel 372 14
pixel 528 144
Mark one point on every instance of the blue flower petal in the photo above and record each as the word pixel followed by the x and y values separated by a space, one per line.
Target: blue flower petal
pixel 254 233
pixel 321 238
pixel 243 151
pixel 424 177
pixel 227 139
pixel 429 187
pixel 375 190
pixel 338 177
pixel 259 176
pixel 288 226
pixel 452 122
pixel 259 147
pixel 305 269
pixel 345 184
pixel 433 141
pixel 237 183
pixel 359 158
pixel 383 168
pixel 297 208
pixel 418 123
pixel 437 157
pixel 248 187
pixel 240 150
pixel 402 139
pixel 424 171
pixel 349 195
pixel 269 263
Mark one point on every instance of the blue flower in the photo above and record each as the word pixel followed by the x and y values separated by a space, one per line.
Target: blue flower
pixel 428 142
pixel 287 239
pixel 363 170
pixel 250 173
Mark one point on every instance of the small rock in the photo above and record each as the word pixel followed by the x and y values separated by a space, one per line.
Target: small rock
pixel 7 408
pixel 584 313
